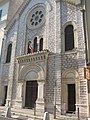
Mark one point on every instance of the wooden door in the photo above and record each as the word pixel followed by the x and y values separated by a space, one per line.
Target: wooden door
pixel 71 98
pixel 31 93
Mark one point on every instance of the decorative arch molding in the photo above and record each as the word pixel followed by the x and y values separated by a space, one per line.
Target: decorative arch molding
pixel 31 72
pixel 70 74
pixel 8 43
pixel 70 23
pixel 31 75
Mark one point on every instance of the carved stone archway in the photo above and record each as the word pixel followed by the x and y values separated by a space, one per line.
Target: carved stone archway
pixel 32 67
pixel 32 73
pixel 69 78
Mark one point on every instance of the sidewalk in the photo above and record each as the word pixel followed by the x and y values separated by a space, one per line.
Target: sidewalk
pixel 3 118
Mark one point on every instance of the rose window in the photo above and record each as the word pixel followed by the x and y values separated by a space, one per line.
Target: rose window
pixel 36 18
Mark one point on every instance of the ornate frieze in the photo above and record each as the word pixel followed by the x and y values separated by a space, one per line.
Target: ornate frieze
pixel 33 66
pixel 33 57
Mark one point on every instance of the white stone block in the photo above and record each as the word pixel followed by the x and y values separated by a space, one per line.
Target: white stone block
pixel 46 116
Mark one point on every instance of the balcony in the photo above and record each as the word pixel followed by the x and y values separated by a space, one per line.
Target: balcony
pixel 33 66
pixel 33 57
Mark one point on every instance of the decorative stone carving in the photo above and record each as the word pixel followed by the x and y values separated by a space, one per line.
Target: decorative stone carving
pixel 32 75
pixel 33 66
pixel 36 18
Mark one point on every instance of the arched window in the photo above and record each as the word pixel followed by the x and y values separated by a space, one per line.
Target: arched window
pixel 9 50
pixel 35 47
pixel 41 44
pixel 69 38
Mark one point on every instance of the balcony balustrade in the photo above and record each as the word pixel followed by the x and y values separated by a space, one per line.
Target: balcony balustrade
pixel 33 57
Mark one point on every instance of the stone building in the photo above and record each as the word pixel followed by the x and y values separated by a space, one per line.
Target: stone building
pixel 4 5
pixel 7 10
pixel 6 14
pixel 43 58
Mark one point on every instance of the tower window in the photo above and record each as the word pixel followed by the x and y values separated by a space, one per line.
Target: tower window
pixel 41 44
pixel 35 44
pixel 69 38
pixel 9 50
pixel 0 14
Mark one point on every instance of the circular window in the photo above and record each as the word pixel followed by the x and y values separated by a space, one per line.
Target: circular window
pixel 36 18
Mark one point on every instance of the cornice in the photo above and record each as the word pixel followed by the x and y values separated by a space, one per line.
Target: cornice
pixel 33 57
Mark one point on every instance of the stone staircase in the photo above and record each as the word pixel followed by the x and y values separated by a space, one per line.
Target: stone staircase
pixel 28 114
pixel 21 114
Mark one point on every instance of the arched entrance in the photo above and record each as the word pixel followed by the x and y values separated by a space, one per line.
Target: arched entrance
pixel 71 98
pixel 69 91
pixel 30 90
pixel 31 94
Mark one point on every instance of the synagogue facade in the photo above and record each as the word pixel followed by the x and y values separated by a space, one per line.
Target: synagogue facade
pixel 43 59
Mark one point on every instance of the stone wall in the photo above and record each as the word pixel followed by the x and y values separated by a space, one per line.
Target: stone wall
pixel 13 7
pixel 57 15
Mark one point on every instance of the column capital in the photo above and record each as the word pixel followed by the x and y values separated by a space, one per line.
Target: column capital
pixel 41 82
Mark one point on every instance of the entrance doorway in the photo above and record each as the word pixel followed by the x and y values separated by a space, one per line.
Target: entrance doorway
pixel 71 98
pixel 31 94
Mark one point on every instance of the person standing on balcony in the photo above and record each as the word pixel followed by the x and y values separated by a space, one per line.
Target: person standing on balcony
pixel 30 47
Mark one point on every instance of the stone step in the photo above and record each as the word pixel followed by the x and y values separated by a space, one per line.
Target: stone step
pixel 28 114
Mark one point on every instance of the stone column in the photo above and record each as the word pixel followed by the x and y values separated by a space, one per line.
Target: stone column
pixel 58 50
pixel 38 43
pixel 40 104
pixel 83 104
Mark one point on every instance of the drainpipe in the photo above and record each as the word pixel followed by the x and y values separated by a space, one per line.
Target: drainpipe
pixel 84 27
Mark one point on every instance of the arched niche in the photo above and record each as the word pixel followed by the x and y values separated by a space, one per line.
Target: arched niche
pixel 31 72
pixel 70 74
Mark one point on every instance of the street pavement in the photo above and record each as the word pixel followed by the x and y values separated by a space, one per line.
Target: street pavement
pixel 3 118
pixel 15 117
